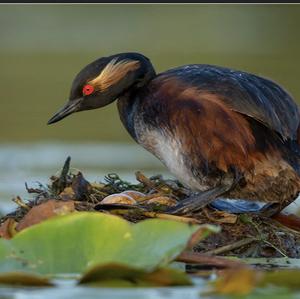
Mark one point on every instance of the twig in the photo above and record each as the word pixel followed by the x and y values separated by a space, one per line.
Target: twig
pixel 231 218
pixel 144 180
pixel 276 248
pixel 197 258
pixel 276 225
pixel 207 215
pixel 18 200
pixel 232 246
pixel 171 217
pixel 63 177
pixel 34 190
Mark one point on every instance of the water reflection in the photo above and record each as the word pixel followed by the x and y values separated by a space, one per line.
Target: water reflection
pixel 68 289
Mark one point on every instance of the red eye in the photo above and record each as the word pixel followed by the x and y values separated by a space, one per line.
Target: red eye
pixel 88 89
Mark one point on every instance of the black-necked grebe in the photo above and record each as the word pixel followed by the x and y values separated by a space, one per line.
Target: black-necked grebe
pixel 221 132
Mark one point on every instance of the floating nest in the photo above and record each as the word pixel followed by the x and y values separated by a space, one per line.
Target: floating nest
pixel 244 235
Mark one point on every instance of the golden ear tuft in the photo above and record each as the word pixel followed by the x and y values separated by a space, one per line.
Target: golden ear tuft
pixel 113 72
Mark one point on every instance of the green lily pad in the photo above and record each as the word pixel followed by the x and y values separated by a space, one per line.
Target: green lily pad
pixel 75 242
pixel 24 279
pixel 120 275
pixel 287 278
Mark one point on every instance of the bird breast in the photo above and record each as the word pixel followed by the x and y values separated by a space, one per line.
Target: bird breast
pixel 169 151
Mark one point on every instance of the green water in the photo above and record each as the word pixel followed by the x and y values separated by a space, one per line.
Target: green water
pixel 42 47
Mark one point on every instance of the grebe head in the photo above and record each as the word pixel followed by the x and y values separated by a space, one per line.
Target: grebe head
pixel 104 80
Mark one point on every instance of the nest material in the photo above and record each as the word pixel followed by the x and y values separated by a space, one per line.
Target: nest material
pixel 244 235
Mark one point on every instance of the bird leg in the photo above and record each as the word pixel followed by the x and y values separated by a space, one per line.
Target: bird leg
pixel 270 209
pixel 273 208
pixel 200 200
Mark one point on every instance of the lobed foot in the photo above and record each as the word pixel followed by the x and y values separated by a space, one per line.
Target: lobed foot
pixel 198 201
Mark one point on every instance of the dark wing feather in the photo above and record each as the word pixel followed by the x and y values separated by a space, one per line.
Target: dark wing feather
pixel 248 94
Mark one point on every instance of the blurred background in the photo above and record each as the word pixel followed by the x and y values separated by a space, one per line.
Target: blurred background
pixel 42 47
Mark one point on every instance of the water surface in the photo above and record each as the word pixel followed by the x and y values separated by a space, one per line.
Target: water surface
pixel 36 162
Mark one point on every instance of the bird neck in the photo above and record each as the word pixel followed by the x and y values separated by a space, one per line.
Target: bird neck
pixel 128 100
pixel 128 107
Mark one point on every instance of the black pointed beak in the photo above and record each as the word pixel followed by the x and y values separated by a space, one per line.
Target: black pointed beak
pixel 69 108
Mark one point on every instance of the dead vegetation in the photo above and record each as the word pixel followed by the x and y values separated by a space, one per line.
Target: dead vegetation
pixel 244 235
